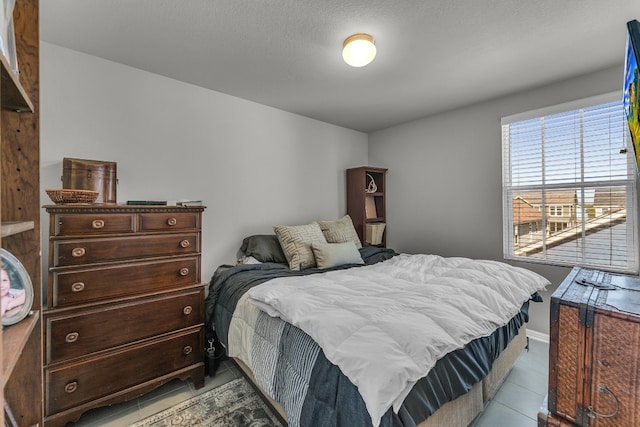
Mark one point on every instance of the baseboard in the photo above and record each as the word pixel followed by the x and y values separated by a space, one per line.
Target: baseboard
pixel 538 336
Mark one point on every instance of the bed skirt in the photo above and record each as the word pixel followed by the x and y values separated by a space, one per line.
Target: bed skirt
pixel 457 413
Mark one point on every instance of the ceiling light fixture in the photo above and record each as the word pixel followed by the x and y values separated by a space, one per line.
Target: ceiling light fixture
pixel 359 50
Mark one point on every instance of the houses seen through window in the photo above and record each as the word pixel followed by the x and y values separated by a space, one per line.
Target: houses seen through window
pixel 569 186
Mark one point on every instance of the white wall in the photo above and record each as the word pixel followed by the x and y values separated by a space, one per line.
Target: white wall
pixel 445 177
pixel 254 166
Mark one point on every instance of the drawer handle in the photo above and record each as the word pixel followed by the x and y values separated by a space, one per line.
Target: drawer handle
pixel 71 387
pixel 185 243
pixel 184 271
pixel 593 413
pixel 77 287
pixel 172 221
pixel 97 223
pixel 72 337
pixel 187 310
pixel 78 252
pixel 187 349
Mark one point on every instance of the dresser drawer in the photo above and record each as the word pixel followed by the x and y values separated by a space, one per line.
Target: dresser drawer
pixel 71 385
pixel 73 287
pixel 87 332
pixel 87 251
pixel 95 223
pixel 169 221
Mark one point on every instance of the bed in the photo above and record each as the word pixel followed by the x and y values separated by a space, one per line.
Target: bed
pixel 312 383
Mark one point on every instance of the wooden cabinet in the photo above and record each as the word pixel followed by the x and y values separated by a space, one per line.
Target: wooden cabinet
pixel 366 203
pixel 125 305
pixel 21 378
pixel 547 419
pixel 594 354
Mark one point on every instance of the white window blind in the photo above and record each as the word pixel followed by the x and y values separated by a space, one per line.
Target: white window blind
pixel 569 186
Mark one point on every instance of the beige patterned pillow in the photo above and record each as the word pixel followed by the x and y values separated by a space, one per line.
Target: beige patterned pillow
pixel 340 231
pixel 296 243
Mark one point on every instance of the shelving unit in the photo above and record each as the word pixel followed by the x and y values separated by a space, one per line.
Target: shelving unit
pixel 364 206
pixel 10 228
pixel 14 340
pixel 21 350
pixel 14 96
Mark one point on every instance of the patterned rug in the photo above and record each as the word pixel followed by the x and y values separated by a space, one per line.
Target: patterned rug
pixel 234 404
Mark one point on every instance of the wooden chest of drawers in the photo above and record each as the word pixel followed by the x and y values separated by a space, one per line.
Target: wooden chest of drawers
pixel 594 353
pixel 124 306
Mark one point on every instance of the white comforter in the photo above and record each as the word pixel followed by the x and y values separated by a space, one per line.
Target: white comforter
pixel 387 324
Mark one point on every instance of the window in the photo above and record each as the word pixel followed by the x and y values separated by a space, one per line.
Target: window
pixel 555 210
pixel 569 186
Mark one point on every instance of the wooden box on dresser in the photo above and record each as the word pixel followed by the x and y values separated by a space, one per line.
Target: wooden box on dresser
pixel 594 353
pixel 125 305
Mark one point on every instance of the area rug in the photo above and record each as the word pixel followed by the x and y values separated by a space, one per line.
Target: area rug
pixel 234 404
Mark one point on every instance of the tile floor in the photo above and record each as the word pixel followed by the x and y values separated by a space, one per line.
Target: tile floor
pixel 519 399
pixel 515 405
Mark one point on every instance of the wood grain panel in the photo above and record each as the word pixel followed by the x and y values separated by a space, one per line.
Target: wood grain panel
pixel 80 333
pixel 570 342
pixel 616 366
pixel 20 201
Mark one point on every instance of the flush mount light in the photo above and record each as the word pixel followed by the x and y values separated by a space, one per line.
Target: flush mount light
pixel 359 50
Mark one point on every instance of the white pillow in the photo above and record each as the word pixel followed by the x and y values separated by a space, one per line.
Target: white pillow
pixel 335 254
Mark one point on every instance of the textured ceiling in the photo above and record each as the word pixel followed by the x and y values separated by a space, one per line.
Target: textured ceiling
pixel 433 55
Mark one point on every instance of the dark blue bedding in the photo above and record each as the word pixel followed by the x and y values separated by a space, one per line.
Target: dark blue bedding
pixel 330 399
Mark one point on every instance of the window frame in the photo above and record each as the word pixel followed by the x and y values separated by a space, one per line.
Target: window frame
pixel 554 209
pixel 509 189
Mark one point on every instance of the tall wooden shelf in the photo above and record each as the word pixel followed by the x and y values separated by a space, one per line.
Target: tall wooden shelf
pixel 21 350
pixel 365 206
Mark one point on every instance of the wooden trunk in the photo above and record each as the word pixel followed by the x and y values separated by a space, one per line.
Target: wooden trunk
pixel 594 354
pixel 550 420
pixel 547 419
pixel 81 174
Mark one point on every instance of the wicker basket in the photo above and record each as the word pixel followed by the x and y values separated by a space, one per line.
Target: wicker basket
pixel 72 197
